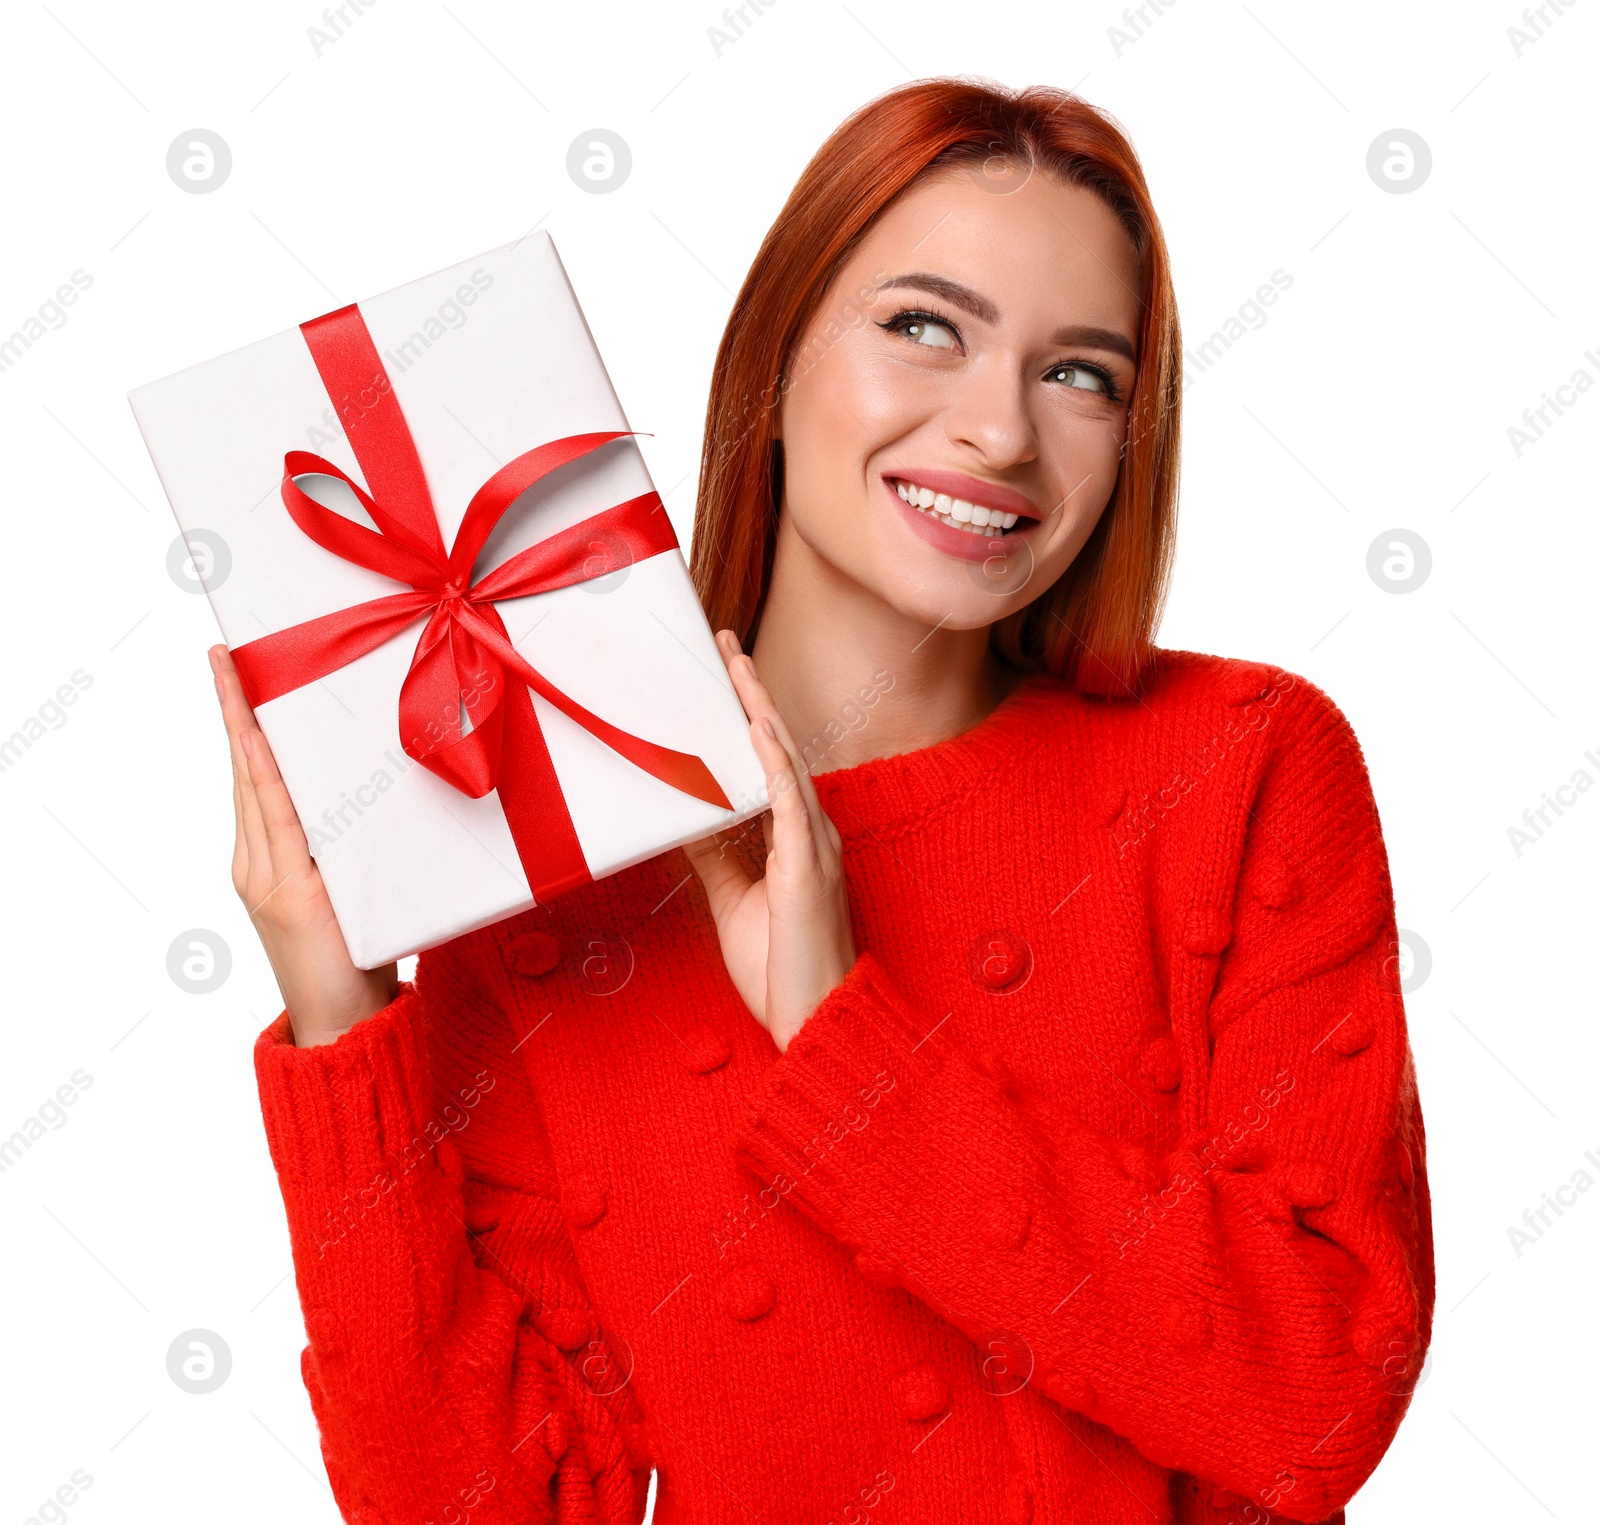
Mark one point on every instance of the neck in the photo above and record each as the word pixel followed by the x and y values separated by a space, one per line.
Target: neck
pixel 857 679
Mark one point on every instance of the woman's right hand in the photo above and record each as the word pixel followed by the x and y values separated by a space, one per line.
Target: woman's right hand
pixel 282 889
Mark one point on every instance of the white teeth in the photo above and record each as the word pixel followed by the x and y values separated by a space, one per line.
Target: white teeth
pixel 957 512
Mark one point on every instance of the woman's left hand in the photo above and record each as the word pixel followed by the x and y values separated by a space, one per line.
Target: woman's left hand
pixel 785 937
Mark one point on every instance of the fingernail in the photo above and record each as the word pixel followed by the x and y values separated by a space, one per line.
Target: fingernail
pixel 766 725
pixel 216 683
pixel 733 641
pixel 244 741
pixel 211 657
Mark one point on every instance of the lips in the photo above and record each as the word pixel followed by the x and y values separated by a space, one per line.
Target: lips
pixel 962 490
pixel 955 503
pixel 955 540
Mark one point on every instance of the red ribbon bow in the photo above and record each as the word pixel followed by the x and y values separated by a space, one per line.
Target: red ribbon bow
pixel 464 655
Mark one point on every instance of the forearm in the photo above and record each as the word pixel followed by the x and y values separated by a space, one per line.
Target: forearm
pixel 1177 1299
pixel 418 1366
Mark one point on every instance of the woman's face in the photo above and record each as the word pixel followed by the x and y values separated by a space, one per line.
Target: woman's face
pixel 958 406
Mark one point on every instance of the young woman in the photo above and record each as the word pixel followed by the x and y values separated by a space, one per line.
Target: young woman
pixel 1019 1125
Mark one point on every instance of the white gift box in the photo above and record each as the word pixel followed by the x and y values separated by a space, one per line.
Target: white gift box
pixel 487 360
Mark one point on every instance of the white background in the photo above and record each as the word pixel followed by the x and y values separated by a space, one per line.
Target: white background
pixel 1377 396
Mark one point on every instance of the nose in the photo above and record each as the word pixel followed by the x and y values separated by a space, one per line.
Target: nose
pixel 989 416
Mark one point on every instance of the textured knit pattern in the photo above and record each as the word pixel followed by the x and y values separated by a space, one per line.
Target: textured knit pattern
pixel 1095 1193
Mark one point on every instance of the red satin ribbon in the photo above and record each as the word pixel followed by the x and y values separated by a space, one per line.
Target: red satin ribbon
pixel 464 655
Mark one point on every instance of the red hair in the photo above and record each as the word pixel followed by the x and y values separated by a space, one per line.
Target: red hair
pixel 1095 625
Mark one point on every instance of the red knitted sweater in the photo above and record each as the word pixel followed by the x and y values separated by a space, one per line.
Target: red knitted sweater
pixel 1095 1193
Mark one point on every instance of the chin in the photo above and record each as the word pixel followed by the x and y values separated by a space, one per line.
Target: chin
pixel 944 602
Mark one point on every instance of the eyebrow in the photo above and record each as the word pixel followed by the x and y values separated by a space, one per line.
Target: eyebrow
pixel 979 306
pixel 957 295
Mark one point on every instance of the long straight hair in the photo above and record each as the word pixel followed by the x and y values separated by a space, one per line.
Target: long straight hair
pixel 1095 625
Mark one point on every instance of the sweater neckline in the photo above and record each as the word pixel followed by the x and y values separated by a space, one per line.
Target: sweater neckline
pixel 885 791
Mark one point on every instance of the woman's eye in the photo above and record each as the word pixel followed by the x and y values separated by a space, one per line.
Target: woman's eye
pixel 925 331
pixel 1080 377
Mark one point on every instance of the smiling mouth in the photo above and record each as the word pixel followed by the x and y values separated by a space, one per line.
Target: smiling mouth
pixel 958 513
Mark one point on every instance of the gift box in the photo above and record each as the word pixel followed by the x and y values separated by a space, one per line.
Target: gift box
pixel 454 598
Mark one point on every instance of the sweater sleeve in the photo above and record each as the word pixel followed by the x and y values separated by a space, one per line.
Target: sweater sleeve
pixel 1250 1309
pixel 454 1365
